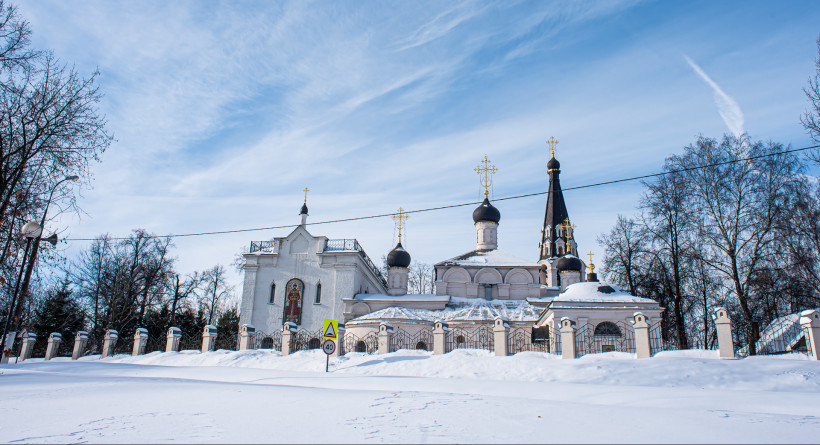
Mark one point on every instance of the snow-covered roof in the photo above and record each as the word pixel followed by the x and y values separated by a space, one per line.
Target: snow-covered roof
pixel 407 297
pixel 459 310
pixel 598 292
pixel 487 258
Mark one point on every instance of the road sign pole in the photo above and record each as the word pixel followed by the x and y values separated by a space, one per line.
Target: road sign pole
pixel 327 363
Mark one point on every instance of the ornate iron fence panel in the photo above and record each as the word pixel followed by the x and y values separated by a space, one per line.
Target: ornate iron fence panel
pixel 479 337
pixel 303 340
pixel 190 342
pixel 155 344
pixel 264 340
pixel 125 345
pixel 368 343
pixel 591 339
pixel 525 339
pixel 421 340
pixel 228 340
pixel 656 341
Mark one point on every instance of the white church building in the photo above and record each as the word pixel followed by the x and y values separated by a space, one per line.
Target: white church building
pixel 298 280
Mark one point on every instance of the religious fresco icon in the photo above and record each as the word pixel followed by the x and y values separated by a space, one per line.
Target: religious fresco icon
pixel 294 291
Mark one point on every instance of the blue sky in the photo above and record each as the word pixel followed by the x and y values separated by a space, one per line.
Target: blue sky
pixel 224 111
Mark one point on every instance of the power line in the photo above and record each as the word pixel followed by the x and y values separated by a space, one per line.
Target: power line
pixel 452 206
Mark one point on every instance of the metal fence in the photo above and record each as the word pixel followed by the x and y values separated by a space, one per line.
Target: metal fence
pixel 369 343
pixel 264 340
pixel 522 338
pixel 478 337
pixel 303 340
pixel 421 340
pixel 782 336
pixel 604 337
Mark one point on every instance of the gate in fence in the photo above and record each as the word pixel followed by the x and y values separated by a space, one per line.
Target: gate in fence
pixel 422 340
pixel 606 336
pixel 478 337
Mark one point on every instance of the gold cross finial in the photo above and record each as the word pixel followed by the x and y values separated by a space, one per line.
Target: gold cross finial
pixel 400 218
pixel 567 228
pixel 306 190
pixel 552 141
pixel 487 171
pixel 591 266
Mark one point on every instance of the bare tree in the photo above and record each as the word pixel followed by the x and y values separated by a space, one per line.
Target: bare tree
pixel 420 279
pixel 216 292
pixel 623 248
pixel 667 219
pixel 738 204
pixel 180 289
pixel 811 118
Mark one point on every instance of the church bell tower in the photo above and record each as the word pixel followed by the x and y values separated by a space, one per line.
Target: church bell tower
pixel 556 218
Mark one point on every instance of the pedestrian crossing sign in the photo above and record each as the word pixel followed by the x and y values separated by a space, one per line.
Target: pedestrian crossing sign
pixel 330 329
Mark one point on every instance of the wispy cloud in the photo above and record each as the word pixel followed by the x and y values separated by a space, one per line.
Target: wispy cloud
pixel 727 107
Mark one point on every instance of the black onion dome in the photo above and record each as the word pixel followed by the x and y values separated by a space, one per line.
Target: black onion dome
pixel 486 212
pixel 553 164
pixel 304 209
pixel 398 257
pixel 569 263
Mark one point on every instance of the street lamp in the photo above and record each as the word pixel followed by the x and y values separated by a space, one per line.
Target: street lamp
pixel 32 231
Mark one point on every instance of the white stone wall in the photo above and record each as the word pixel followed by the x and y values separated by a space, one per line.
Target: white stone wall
pixel 486 235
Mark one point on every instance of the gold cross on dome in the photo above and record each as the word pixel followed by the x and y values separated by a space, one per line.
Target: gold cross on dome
pixel 591 266
pixel 552 142
pixel 487 171
pixel 400 218
pixel 306 190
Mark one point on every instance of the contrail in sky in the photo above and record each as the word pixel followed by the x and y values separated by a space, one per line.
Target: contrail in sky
pixel 727 107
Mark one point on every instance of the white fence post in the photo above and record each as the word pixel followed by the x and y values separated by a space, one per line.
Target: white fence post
pixel 27 346
pixel 140 340
pixel 287 335
pixel 567 338
pixel 246 334
pixel 80 340
pixel 439 334
pixel 641 327
pixel 109 343
pixel 172 338
pixel 54 341
pixel 340 341
pixel 810 322
pixel 723 326
pixel 208 338
pixel 385 332
pixel 500 330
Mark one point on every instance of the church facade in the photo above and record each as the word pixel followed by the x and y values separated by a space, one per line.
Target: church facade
pixel 301 279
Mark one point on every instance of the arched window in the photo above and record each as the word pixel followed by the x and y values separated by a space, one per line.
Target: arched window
pixel 267 343
pixel 272 292
pixel 421 345
pixel 314 343
pixel 361 346
pixel 607 329
pixel 318 299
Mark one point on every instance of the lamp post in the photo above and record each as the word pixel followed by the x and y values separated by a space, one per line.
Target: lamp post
pixel 31 230
pixel 33 260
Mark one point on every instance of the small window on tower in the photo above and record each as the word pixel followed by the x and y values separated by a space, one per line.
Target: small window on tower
pixel 272 292
pixel 318 299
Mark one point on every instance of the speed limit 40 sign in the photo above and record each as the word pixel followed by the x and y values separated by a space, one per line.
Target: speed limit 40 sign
pixel 329 346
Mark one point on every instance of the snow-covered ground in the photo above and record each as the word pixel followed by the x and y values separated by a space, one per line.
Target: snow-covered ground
pixel 411 396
